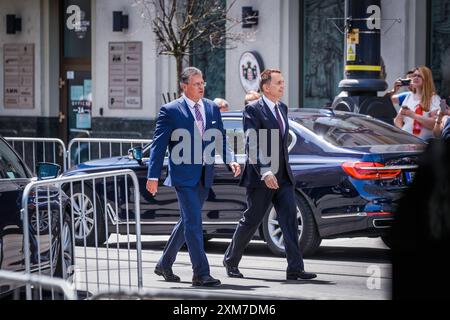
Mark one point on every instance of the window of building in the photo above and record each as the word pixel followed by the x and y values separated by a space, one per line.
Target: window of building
pixel 212 63
pixel 323 51
pixel 77 31
pixel 439 49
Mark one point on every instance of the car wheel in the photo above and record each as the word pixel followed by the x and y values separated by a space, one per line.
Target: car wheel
pixel 309 238
pixel 84 216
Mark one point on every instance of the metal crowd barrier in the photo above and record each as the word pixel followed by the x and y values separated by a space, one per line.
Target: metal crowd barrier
pixel 85 149
pixel 54 284
pixel 34 150
pixel 170 294
pixel 67 208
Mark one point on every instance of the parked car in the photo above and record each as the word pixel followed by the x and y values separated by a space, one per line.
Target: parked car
pixel 351 170
pixel 14 176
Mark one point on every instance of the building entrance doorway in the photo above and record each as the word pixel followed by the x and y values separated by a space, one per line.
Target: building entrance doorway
pixel 75 80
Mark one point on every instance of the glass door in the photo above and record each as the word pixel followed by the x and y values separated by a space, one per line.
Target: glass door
pixel 79 102
pixel 75 79
pixel 323 51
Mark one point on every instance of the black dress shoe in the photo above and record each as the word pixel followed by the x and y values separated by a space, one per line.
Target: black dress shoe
pixel 302 274
pixel 232 272
pixel 167 274
pixel 205 281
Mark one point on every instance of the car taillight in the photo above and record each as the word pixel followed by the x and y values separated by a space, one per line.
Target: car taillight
pixel 369 170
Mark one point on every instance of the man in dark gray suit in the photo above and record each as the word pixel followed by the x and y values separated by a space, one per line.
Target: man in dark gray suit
pixel 270 182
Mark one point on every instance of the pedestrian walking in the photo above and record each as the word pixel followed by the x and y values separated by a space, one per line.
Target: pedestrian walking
pixel 191 180
pixel 265 183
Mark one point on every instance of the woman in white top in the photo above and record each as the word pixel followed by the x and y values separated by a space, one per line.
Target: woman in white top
pixel 419 110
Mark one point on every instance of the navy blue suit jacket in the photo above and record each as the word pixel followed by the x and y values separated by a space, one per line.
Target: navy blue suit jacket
pixel 257 116
pixel 176 115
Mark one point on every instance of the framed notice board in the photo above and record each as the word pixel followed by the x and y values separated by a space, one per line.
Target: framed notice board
pixel 125 75
pixel 18 75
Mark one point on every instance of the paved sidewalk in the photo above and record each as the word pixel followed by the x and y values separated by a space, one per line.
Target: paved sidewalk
pixel 344 269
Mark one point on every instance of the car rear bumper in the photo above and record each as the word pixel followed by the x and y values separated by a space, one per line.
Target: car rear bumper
pixel 363 224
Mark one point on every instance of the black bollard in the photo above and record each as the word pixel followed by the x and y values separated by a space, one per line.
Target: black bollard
pixel 363 76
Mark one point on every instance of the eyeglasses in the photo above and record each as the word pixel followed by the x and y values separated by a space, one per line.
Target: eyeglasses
pixel 199 84
pixel 415 75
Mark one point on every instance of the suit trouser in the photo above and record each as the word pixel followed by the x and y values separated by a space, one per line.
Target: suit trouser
pixel 188 230
pixel 258 202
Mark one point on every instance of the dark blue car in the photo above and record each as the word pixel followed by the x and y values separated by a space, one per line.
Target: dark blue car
pixel 45 251
pixel 351 170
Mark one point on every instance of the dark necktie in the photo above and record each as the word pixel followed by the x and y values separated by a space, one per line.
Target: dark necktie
pixel 280 122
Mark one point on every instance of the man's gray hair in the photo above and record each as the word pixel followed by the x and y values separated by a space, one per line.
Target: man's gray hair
pixel 187 73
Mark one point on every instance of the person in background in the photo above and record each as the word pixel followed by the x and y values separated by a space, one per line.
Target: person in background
pixel 222 103
pixel 251 96
pixel 419 109
pixel 442 125
pixel 398 98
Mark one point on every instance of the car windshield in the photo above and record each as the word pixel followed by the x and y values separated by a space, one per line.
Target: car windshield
pixel 10 165
pixel 347 130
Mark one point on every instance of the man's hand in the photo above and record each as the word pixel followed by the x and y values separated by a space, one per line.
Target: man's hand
pixel 271 181
pixel 236 168
pixel 152 186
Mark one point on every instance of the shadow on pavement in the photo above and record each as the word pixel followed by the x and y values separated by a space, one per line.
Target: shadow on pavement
pixel 353 254
pixel 333 253
pixel 223 286
pixel 296 282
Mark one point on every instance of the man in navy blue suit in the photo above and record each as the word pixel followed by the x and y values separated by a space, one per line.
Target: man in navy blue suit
pixel 268 181
pixel 190 172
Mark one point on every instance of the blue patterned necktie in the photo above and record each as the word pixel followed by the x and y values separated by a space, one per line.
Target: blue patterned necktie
pixel 199 119
pixel 280 122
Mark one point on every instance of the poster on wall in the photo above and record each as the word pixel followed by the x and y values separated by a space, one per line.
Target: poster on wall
pixel 81 103
pixel 18 75
pixel 125 75
pixel 83 111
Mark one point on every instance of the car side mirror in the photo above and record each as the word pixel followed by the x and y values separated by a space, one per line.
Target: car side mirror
pixel 136 154
pixel 46 170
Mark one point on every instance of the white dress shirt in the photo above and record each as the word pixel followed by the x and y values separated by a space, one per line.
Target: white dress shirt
pixel 271 106
pixel 191 104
